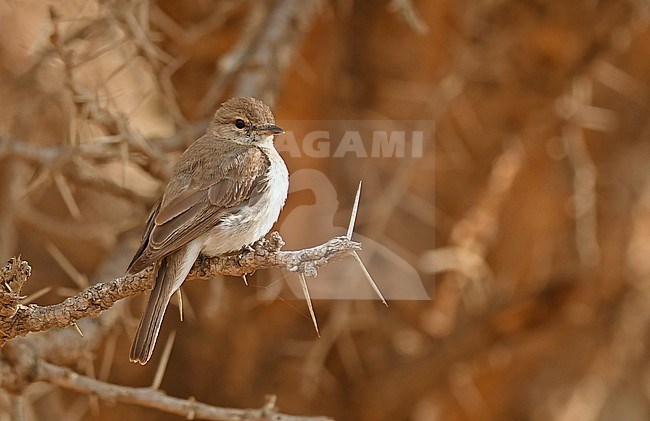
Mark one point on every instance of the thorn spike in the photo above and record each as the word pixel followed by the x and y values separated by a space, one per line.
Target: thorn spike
pixel 305 290
pixel 369 278
pixel 353 216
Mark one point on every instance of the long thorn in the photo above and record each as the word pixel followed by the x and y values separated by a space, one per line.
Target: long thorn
pixel 67 195
pixel 305 290
pixel 68 267
pixel 30 298
pixel 180 303
pixel 369 278
pixel 353 216
pixel 76 328
pixel 160 371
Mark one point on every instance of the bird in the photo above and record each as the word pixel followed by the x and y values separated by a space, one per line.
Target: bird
pixel 226 192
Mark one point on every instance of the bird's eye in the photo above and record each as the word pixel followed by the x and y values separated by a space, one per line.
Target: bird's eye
pixel 239 123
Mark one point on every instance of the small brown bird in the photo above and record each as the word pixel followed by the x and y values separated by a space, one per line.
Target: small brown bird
pixel 226 191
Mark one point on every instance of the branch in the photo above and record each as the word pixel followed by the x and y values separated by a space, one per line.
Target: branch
pixel 21 366
pixel 274 47
pixel 409 15
pixel 17 319
pixel 256 64
pixel 156 399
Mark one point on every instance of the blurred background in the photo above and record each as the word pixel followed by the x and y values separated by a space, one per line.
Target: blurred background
pixel 526 219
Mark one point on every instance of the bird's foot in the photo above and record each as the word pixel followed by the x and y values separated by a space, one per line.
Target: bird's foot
pixel 239 257
pixel 272 244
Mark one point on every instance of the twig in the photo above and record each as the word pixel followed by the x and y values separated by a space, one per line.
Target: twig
pixel 471 238
pixel 35 296
pixel 164 360
pixel 260 58
pixel 67 196
pixel 409 15
pixel 18 408
pixel 274 47
pixel 609 366
pixel 97 232
pixel 150 398
pixel 338 322
pixel 72 162
pixel 68 267
pixel 585 173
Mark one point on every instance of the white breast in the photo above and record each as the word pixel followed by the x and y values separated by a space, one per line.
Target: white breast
pixel 252 223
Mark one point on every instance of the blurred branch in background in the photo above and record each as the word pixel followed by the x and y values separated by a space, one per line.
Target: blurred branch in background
pixel 525 216
pixel 254 67
pixel 469 276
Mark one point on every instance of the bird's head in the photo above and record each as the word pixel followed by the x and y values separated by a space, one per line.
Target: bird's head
pixel 244 120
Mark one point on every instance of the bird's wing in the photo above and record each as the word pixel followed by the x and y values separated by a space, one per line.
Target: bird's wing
pixel 201 205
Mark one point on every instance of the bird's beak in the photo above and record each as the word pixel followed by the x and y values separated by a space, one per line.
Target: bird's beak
pixel 269 129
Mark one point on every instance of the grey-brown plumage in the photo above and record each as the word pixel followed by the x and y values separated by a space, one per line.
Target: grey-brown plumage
pixel 226 191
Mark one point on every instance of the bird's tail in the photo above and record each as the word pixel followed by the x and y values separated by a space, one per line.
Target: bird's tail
pixel 171 273
pixel 147 333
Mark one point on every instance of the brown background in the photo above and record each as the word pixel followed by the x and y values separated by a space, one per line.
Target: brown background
pixel 528 217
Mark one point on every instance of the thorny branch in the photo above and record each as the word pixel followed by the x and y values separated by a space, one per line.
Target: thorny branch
pixel 17 319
